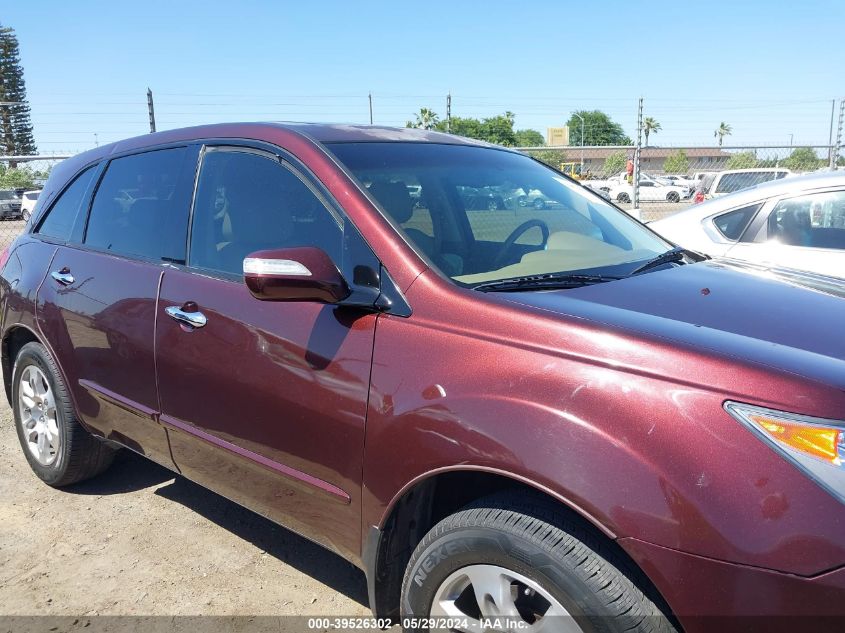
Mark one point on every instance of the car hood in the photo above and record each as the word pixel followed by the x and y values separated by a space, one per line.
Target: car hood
pixel 784 319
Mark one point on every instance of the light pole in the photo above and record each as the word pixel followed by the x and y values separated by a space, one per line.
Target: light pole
pixel 582 139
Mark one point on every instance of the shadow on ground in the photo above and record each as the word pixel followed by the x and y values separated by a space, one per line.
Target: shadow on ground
pixel 131 472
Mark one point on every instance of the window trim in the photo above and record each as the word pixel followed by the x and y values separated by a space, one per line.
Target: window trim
pixel 286 161
pixel 191 147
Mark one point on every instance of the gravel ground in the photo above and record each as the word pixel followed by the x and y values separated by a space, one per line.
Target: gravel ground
pixel 139 540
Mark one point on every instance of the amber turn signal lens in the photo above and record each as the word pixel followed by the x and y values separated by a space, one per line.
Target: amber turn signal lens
pixel 816 441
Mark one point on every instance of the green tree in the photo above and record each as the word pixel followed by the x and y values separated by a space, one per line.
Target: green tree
pixel 742 160
pixel 497 129
pixel 15 126
pixel 552 157
pixel 676 163
pixel 426 119
pixel 615 163
pixel 599 129
pixel 802 159
pixel 650 124
pixel 19 177
pixel 471 128
pixel 529 138
pixel 722 131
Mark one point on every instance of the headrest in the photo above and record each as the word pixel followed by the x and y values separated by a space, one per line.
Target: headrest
pixel 395 199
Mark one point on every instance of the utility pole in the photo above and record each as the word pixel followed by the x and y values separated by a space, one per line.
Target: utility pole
pixel 448 112
pixel 151 110
pixel 830 155
pixel 636 183
pixel 838 145
pixel 582 140
pixel 371 107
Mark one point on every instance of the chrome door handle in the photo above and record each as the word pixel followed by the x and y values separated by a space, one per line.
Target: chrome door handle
pixel 194 319
pixel 63 276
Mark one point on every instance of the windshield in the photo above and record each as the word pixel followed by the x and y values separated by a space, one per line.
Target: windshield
pixel 481 214
pixel 8 195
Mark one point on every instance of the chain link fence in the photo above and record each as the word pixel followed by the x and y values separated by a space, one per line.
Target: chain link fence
pixel 20 184
pixel 671 176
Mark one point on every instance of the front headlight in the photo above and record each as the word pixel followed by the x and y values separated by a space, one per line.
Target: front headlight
pixel 815 445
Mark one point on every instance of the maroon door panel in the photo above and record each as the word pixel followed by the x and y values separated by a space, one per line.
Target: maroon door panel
pixel 100 320
pixel 266 402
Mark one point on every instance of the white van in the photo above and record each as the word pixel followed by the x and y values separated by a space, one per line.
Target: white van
pixel 731 180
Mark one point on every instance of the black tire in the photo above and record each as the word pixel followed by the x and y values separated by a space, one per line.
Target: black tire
pixel 25 216
pixel 539 203
pixel 623 197
pixel 673 196
pixel 80 455
pixel 526 534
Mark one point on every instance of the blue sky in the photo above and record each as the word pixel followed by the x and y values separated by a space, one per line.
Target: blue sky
pixel 768 69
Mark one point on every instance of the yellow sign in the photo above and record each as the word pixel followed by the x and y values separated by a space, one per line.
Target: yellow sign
pixel 557 135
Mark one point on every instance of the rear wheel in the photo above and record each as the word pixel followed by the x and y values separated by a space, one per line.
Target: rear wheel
pixel 673 196
pixel 515 562
pixel 59 450
pixel 623 197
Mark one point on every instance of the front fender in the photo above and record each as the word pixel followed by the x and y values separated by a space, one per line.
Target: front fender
pixel 642 456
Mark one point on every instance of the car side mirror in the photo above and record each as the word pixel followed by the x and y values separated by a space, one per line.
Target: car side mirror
pixel 294 274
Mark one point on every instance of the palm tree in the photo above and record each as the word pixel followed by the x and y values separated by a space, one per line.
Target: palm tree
pixel 722 131
pixel 426 119
pixel 650 124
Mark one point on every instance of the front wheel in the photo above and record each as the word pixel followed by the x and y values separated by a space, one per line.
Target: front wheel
pixel 623 197
pixel 25 216
pixel 59 450
pixel 517 562
pixel 673 196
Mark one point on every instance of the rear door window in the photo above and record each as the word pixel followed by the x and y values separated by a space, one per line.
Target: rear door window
pixel 142 204
pixel 60 219
pixel 816 220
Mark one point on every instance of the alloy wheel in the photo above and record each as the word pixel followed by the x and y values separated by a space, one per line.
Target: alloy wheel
pixel 487 597
pixel 37 408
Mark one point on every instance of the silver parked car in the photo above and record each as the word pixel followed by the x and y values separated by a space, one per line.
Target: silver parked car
pixel 796 222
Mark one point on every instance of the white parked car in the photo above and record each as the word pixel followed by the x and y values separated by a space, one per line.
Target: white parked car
pixel 28 203
pixel 678 181
pixel 650 191
pixel 794 223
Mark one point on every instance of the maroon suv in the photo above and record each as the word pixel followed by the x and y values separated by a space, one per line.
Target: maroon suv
pixel 527 414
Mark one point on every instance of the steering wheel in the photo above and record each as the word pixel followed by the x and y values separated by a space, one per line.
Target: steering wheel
pixel 515 235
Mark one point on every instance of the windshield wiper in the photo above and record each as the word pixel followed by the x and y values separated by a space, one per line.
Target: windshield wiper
pixel 676 255
pixel 547 281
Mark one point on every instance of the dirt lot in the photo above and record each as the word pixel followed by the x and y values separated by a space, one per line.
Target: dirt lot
pixel 140 541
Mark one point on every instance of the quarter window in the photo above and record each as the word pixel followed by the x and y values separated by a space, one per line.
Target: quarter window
pixel 62 215
pixel 249 201
pixel 141 206
pixel 733 223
